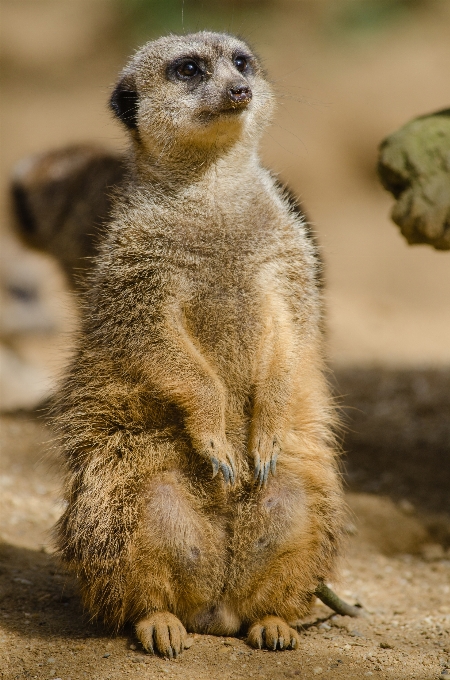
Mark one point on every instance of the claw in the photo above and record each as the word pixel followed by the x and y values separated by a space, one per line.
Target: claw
pixel 148 646
pixel 266 472
pixel 257 467
pixel 281 642
pixel 226 472
pixel 273 464
pixel 215 466
pixel 232 469
pixel 263 474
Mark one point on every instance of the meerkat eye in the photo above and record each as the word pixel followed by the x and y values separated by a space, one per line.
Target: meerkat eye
pixel 241 62
pixel 188 69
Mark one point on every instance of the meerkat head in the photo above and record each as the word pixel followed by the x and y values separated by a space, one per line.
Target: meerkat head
pixel 198 91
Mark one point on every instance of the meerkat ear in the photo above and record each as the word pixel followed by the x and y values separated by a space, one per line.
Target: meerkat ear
pixel 124 102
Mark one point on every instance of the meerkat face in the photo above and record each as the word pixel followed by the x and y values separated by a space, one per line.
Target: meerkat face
pixel 201 90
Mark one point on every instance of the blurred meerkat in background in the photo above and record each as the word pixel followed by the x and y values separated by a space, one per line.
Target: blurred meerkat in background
pixel 61 201
pixel 195 421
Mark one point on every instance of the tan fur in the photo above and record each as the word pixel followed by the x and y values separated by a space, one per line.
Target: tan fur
pixel 200 353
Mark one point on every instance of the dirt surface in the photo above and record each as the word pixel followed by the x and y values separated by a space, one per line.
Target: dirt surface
pixel 391 567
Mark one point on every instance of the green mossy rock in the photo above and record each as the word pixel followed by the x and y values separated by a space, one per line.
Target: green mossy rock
pixel 414 165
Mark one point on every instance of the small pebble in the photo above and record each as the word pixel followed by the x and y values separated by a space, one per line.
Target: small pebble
pixel 386 645
pixel 133 647
pixel 50 660
pixel 190 641
pixel 105 656
pixel 318 670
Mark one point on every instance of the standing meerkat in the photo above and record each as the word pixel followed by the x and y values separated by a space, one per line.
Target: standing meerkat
pixel 196 423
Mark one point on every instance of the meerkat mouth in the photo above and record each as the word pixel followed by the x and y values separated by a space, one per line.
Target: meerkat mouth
pixel 228 111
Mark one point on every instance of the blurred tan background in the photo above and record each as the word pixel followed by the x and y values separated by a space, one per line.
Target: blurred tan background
pixel 346 74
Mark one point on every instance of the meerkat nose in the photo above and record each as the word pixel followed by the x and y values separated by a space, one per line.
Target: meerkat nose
pixel 240 94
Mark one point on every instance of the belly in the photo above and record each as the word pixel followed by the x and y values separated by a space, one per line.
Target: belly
pixel 226 327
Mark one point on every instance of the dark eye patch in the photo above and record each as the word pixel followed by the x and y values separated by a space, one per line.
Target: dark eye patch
pixel 241 62
pixel 188 68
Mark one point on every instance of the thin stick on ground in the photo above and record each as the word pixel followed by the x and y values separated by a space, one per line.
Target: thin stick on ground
pixel 335 603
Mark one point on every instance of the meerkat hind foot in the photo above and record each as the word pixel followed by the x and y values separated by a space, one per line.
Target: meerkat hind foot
pixel 161 633
pixel 272 633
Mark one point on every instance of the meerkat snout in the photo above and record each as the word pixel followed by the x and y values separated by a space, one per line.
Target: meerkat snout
pixel 240 94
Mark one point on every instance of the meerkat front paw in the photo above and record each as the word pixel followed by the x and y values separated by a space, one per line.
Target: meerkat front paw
pixel 218 451
pixel 272 633
pixel 162 633
pixel 265 450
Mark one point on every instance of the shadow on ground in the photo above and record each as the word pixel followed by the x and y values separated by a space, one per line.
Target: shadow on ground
pixel 38 598
pixel 397 441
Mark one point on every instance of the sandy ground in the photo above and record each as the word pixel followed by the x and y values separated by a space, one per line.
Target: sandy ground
pixel 389 329
pixel 391 568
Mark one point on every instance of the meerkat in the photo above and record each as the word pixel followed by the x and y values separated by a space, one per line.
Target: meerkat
pixel 203 491
pixel 61 203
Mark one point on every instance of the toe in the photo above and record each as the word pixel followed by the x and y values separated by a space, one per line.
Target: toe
pixel 162 641
pixel 271 636
pixel 161 632
pixel 272 633
pixel 177 636
pixel 144 633
pixel 284 635
pixel 255 636
pixel 292 636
